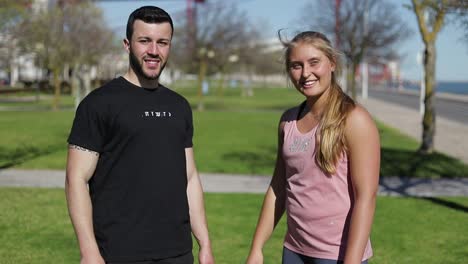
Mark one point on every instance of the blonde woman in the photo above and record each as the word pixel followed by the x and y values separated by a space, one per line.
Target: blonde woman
pixel 327 169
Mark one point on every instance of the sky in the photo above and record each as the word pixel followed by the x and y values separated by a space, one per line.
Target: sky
pixel 452 52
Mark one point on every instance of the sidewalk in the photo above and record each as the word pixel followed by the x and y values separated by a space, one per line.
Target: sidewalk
pixel 449 137
pixel 228 183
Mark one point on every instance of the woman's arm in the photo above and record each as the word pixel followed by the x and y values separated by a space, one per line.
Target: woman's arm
pixel 363 144
pixel 272 209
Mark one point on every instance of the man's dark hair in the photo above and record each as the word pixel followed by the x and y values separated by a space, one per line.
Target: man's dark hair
pixel 148 14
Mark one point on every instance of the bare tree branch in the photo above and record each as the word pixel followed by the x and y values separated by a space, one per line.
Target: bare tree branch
pixel 221 28
pixel 384 28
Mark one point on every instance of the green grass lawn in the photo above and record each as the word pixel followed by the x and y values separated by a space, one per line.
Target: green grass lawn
pixel 35 228
pixel 34 101
pixel 236 134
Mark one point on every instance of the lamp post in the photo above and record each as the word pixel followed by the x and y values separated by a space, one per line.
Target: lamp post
pixel 233 58
pixel 204 55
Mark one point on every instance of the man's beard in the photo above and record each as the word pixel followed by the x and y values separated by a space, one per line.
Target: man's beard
pixel 138 68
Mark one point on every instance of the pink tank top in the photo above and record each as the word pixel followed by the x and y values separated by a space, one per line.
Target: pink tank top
pixel 318 206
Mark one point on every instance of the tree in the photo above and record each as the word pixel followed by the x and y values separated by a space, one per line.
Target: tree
pixel 365 28
pixel 91 41
pixel 269 63
pixel 431 15
pixel 43 35
pixel 67 34
pixel 11 14
pixel 218 33
pixel 460 9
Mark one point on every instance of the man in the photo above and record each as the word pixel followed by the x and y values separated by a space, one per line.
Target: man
pixel 131 141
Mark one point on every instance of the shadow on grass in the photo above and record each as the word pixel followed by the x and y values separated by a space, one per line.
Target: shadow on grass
pixel 445 203
pixel 404 186
pixel 411 164
pixel 400 163
pixel 13 157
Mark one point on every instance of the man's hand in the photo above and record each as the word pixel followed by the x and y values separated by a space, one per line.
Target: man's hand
pixel 92 259
pixel 205 256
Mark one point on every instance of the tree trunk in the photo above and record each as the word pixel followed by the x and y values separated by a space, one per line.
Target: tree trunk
pixel 201 79
pixel 78 85
pixel 221 83
pixel 428 122
pixel 247 85
pixel 56 100
pixel 75 86
pixel 86 80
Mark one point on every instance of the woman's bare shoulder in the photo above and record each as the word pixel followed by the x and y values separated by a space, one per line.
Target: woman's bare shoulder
pixel 359 120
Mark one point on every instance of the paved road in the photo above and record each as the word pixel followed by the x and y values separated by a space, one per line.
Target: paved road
pixel 447 107
pixel 450 136
pixel 229 183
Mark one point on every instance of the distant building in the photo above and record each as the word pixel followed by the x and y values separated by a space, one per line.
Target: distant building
pixel 22 68
pixel 383 73
pixel 271 45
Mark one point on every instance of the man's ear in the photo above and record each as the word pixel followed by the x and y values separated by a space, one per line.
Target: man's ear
pixel 126 44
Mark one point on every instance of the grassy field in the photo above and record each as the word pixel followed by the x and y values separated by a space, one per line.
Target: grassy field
pixel 406 230
pixel 33 101
pixel 235 134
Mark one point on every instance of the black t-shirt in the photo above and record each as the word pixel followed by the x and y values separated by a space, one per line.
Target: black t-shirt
pixel 138 190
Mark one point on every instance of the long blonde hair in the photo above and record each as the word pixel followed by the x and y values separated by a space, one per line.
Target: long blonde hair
pixel 331 139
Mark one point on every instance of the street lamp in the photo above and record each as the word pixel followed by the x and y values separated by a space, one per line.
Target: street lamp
pixel 233 58
pixel 204 54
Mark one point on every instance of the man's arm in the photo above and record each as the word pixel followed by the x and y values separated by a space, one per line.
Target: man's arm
pixel 197 210
pixel 81 164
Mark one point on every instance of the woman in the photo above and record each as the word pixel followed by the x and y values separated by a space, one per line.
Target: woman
pixel 327 169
